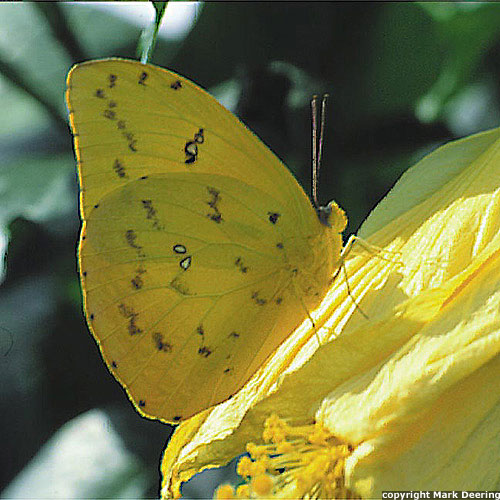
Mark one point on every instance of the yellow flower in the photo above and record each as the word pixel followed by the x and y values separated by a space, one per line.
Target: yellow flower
pixel 406 398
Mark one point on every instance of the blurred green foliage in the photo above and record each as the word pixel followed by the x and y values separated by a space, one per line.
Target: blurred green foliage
pixel 403 78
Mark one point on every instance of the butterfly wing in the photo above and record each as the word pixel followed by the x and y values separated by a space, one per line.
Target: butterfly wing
pixel 132 119
pixel 199 251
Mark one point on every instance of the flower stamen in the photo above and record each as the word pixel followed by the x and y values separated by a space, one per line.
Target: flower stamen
pixel 294 462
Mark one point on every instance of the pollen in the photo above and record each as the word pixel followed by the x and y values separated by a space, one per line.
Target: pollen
pixel 294 462
pixel 224 492
pixel 262 485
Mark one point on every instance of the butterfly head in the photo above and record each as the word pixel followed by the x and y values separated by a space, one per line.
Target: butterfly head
pixel 332 216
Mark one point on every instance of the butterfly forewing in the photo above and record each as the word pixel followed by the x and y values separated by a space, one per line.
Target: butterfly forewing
pixel 128 126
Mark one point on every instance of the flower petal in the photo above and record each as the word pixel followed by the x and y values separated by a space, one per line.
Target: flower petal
pixel 420 411
pixel 431 295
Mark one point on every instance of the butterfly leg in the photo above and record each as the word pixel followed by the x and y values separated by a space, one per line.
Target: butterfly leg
pixel 374 249
pixel 341 266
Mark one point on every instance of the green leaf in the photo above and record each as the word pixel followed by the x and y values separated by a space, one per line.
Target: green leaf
pixel 467 30
pixel 149 36
pixel 37 188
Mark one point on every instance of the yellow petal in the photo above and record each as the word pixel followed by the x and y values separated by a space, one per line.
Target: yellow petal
pixel 427 413
pixel 386 383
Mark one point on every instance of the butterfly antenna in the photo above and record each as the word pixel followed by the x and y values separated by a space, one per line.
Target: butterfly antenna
pixel 314 113
pixel 317 142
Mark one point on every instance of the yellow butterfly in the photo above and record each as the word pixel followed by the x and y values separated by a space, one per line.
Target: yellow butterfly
pixel 199 251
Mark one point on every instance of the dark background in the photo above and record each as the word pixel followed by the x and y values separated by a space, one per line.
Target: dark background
pixel 403 78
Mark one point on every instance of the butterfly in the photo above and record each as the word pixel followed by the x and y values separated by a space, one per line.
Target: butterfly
pixel 199 252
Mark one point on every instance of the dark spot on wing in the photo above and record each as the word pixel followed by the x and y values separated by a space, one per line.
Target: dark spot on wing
pixel 151 214
pixel 273 217
pixel 111 114
pixel 199 137
pixel 213 203
pixel 185 263
pixel 176 418
pixel 176 85
pixel 142 78
pixel 142 403
pixel 191 147
pixel 131 239
pixel 160 343
pixel 179 248
pixel 113 364
pixel 137 281
pixel 191 151
pixel 132 142
pixel 130 236
pixel 240 265
pixel 204 351
pixel 119 168
pixel 131 316
pixel 215 217
pixel 100 93
pixel 112 81
pixel 257 299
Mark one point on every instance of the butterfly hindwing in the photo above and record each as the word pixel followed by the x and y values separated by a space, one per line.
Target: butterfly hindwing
pixel 179 273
